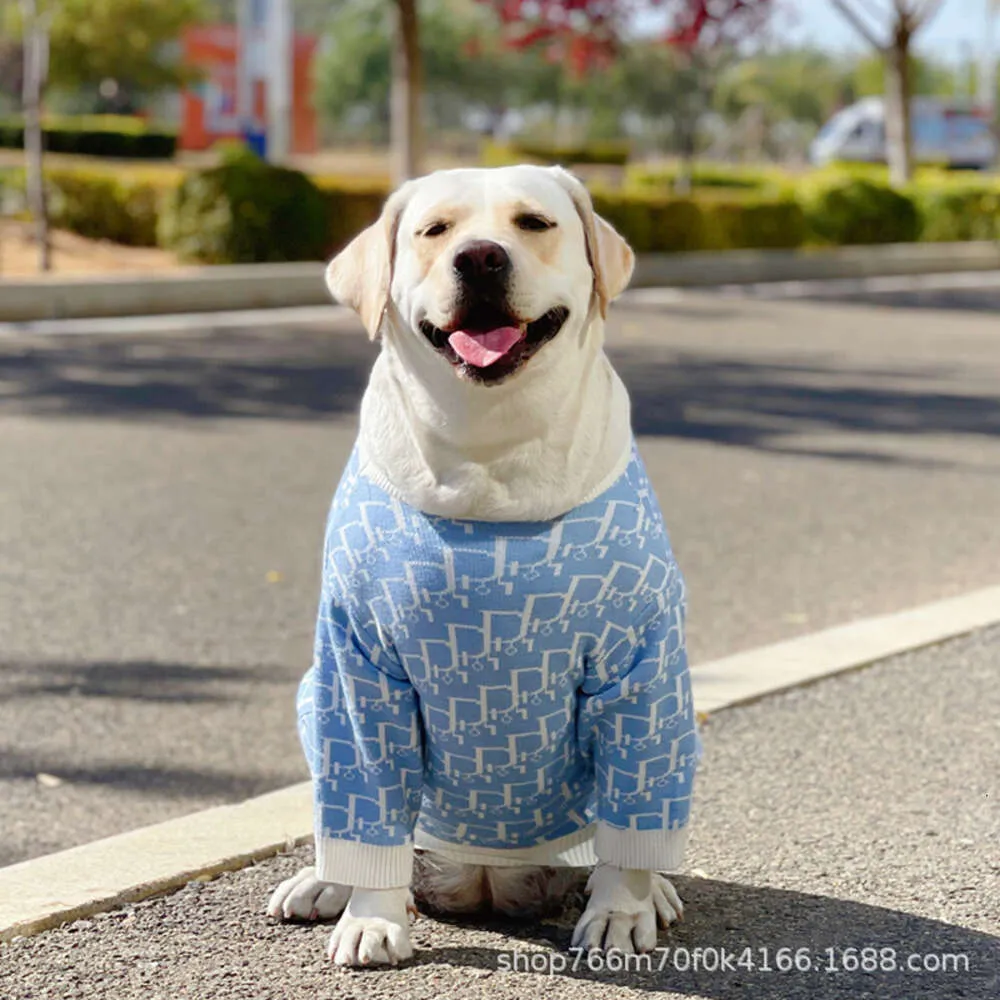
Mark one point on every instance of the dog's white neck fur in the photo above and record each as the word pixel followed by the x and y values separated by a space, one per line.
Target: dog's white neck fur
pixel 529 449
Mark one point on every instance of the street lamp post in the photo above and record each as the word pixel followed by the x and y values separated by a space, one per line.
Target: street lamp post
pixel 266 40
pixel 988 76
pixel 36 60
pixel 280 41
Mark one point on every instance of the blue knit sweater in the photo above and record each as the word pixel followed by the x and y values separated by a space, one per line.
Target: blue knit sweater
pixel 505 693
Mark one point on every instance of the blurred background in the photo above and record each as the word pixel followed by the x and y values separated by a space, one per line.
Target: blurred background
pixel 699 124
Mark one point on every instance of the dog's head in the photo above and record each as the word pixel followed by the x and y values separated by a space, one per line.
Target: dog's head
pixel 486 266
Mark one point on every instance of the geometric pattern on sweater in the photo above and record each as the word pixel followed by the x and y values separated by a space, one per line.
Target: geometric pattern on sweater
pixel 503 684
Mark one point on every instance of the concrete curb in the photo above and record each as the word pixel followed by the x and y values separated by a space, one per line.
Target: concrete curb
pixel 46 892
pixel 58 888
pixel 746 267
pixel 205 289
pixel 745 677
pixel 270 286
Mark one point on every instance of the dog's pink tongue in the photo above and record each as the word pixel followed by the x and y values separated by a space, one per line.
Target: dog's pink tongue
pixel 483 349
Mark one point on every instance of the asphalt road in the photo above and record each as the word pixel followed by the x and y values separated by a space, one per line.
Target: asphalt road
pixel 855 823
pixel 162 502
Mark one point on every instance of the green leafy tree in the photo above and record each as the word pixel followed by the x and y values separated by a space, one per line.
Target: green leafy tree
pixel 803 85
pixel 130 41
pixel 464 65
pixel 123 40
pixel 353 71
pixel 927 78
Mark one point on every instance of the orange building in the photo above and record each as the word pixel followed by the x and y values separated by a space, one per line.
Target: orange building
pixel 209 109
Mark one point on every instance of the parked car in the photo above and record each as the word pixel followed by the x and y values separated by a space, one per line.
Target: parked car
pixel 944 134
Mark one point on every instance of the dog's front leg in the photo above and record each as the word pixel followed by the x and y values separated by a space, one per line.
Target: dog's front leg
pixel 624 907
pixel 305 897
pixel 374 928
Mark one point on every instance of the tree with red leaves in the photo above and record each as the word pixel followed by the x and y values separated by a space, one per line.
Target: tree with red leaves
pixel 603 23
pixel 583 32
pixel 586 33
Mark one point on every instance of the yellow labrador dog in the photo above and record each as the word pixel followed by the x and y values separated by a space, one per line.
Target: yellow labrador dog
pixel 499 693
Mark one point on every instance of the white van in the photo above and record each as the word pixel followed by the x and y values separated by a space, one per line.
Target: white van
pixel 943 134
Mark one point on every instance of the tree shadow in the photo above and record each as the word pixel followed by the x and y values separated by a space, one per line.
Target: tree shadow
pixel 752 924
pixel 135 680
pixel 984 299
pixel 308 373
pixel 163 782
pixel 762 405
pixel 278 373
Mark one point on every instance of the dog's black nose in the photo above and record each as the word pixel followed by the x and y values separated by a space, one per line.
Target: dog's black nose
pixel 482 261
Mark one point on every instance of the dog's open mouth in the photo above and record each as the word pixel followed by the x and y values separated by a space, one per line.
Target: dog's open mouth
pixel 489 344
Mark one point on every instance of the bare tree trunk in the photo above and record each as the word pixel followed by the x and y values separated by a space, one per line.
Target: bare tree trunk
pixel 35 58
pixel 898 116
pixel 688 149
pixel 407 78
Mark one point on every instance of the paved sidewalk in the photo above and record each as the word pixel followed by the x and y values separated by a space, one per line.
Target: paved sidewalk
pixel 162 500
pixel 861 812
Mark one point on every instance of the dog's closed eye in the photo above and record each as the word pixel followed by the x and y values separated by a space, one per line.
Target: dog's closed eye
pixel 533 223
pixel 438 228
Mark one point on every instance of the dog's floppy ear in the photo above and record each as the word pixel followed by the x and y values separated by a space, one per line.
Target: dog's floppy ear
pixel 360 276
pixel 611 258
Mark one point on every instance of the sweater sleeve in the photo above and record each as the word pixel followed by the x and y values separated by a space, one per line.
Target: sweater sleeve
pixel 359 722
pixel 641 725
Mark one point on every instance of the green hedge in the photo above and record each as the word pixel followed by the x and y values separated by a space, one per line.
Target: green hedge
pixel 855 211
pixel 524 151
pixel 664 179
pixel 247 211
pixel 97 135
pixel 102 207
pixel 352 205
pixel 100 204
pixel 660 224
pixel 953 214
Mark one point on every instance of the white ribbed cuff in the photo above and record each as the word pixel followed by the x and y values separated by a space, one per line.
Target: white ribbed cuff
pixel 652 850
pixel 364 866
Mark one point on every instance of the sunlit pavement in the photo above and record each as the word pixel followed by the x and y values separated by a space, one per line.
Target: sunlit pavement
pixel 844 845
pixel 163 496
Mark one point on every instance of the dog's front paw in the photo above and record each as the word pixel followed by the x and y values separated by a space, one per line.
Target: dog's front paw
pixel 374 929
pixel 624 907
pixel 304 897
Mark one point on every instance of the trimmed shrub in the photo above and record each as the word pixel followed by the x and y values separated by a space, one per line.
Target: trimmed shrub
pixel 856 211
pixel 762 223
pixel 352 205
pixel 613 154
pixel 651 224
pixel 704 175
pixel 97 135
pixel 247 211
pixel 654 224
pixel 953 214
pixel 103 207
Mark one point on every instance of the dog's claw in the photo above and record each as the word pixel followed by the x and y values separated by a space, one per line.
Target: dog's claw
pixel 373 930
pixel 624 908
pixel 305 897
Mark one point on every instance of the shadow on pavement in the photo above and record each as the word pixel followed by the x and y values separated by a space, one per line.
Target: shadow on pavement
pixel 278 374
pixel 138 680
pixel 958 299
pixel 162 781
pixel 747 403
pixel 308 374
pixel 753 924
